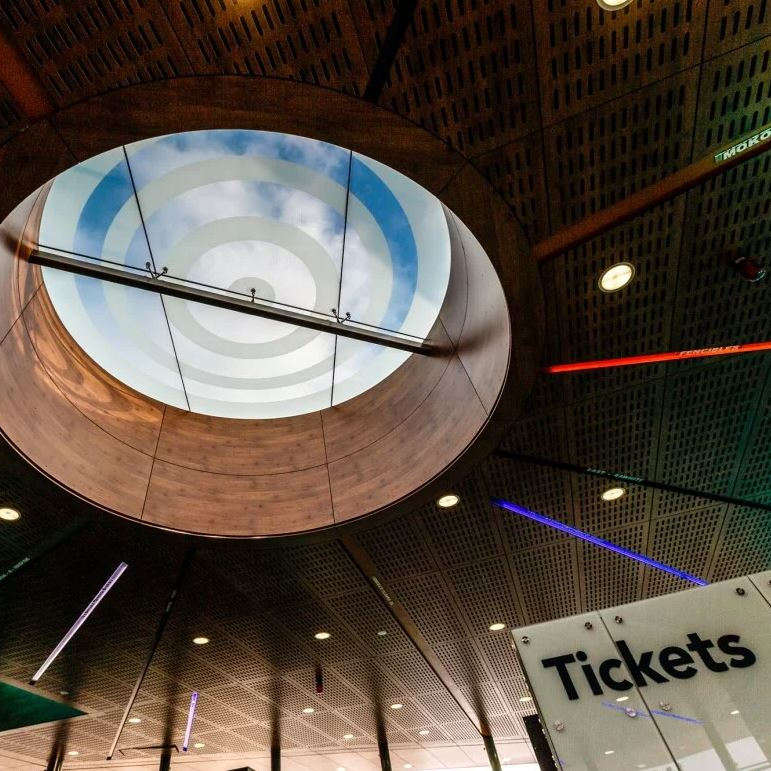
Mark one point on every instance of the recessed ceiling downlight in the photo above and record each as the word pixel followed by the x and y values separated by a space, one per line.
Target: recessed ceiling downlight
pixel 613 5
pixel 201 640
pixel 9 515
pixel 199 745
pixel 448 500
pixel 616 277
pixel 613 494
pixel 397 706
pixel 497 627
pixel 322 635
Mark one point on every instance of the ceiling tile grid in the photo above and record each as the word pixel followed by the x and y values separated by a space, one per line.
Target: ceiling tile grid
pixel 312 41
pixel 83 50
pixel 464 72
pixel 550 581
pixel 611 579
pixel 619 431
pixel 596 158
pixel 685 542
pixel 728 216
pixel 745 544
pixel 516 171
pixel 734 95
pixel 733 23
pixel 11 118
pixel 588 56
pixel 637 319
pixel 754 477
pixel 709 411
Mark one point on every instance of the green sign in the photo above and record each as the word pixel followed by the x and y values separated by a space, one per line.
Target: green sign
pixel 745 144
pixel 20 708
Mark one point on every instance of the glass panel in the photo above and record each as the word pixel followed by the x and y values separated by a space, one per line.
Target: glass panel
pixel 359 366
pixel 91 210
pixel 246 209
pixel 397 251
pixel 123 330
pixel 711 701
pixel 607 730
pixel 245 213
pixel 239 366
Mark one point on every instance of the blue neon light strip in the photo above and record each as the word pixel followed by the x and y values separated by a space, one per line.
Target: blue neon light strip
pixel 601 542
pixel 660 712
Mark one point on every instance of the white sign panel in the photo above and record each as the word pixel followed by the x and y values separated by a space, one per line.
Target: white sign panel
pixel 681 681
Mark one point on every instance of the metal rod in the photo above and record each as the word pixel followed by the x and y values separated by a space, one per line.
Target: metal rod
pixel 48 545
pixel 153 647
pixel 403 15
pixel 382 748
pixel 275 758
pixel 619 477
pixel 726 157
pixel 492 753
pixel 168 288
pixel 367 567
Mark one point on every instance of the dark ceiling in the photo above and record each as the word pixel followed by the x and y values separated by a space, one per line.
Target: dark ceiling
pixel 566 109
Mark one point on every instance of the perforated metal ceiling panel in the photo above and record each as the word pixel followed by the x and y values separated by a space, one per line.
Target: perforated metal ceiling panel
pixel 565 109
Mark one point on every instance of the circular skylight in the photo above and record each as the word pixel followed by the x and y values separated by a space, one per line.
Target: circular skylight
pixel 307 225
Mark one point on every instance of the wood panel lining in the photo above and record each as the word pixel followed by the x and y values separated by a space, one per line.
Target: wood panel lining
pixel 245 478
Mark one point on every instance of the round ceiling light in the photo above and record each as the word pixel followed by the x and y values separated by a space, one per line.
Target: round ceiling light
pixel 135 720
pixel 382 633
pixel 424 732
pixel 616 277
pixel 309 710
pixel 9 515
pixel 73 753
pixel 199 745
pixel 397 706
pixel 347 736
pixel 613 494
pixel 448 500
pixel 322 635
pixel 497 627
pixel 613 5
pixel 525 699
pixel 201 640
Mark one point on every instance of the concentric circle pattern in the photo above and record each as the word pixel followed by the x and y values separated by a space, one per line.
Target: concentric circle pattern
pixel 302 222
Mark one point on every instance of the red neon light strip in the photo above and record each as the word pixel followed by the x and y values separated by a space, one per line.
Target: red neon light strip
pixel 652 358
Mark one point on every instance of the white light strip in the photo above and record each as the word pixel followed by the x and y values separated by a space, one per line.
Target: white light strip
pixel 81 620
pixel 190 716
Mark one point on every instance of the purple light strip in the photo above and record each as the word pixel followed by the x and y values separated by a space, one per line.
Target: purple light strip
pixel 190 717
pixel 100 595
pixel 601 542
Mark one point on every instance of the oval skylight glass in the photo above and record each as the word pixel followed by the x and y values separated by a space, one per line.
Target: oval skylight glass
pixel 304 224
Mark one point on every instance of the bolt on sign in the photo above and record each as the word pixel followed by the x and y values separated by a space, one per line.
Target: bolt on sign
pixel 680 682
pixel 759 136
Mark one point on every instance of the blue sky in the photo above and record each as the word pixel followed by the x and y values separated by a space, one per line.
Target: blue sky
pixel 153 159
